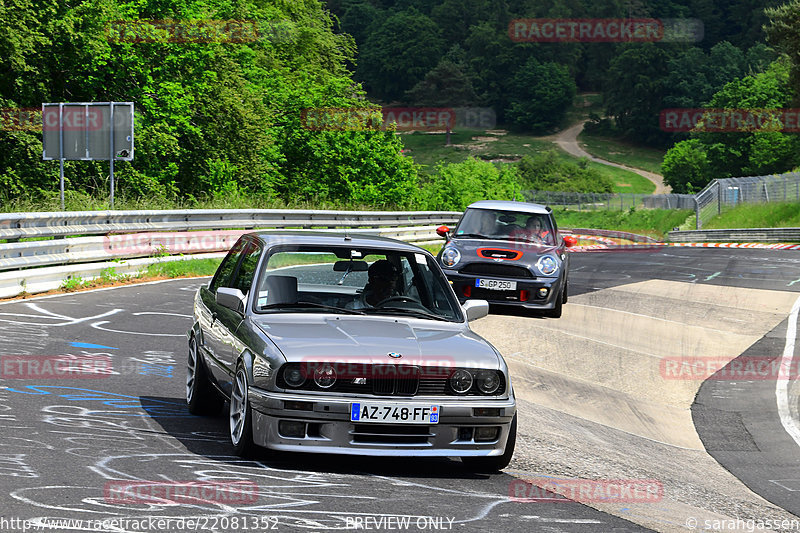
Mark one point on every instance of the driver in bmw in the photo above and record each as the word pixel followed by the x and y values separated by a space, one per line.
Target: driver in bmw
pixel 382 284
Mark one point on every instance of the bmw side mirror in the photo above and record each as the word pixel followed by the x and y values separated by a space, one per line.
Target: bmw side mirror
pixel 443 231
pixel 475 309
pixel 570 241
pixel 233 299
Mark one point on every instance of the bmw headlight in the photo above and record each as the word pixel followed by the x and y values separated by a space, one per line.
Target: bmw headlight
pixel 547 265
pixel 450 256
pixel 488 381
pixel 325 376
pixel 294 376
pixel 461 381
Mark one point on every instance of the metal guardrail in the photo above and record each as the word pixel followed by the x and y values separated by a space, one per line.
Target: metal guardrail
pixel 100 239
pixel 787 235
pixel 15 226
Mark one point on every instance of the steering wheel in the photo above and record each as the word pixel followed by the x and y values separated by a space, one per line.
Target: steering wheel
pixel 398 298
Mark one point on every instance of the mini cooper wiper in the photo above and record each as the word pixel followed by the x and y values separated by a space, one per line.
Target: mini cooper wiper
pixel 406 311
pixel 310 305
pixel 472 236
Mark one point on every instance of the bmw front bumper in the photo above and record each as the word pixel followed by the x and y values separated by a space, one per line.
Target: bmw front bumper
pixel 326 426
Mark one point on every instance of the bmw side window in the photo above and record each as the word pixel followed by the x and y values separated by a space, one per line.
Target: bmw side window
pixel 225 271
pixel 247 269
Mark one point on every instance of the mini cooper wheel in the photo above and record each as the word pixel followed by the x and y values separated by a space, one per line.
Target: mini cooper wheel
pixel 201 397
pixel 241 418
pixel 496 463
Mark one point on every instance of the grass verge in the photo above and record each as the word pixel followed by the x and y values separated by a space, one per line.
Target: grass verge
pixel 622 152
pixel 772 215
pixel 109 277
pixel 654 223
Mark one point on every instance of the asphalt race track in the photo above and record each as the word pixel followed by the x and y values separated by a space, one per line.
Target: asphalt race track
pixel 718 449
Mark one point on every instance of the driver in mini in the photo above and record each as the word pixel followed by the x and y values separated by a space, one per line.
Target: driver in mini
pixel 382 284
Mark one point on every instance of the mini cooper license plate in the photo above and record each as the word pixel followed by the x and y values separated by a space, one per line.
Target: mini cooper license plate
pixel 496 284
pixel 393 413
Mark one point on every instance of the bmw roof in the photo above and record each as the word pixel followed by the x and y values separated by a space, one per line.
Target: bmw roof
pixel 506 205
pixel 336 238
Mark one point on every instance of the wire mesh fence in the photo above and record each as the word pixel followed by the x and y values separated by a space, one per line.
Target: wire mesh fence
pixel 720 194
pixel 583 201
pixel 726 193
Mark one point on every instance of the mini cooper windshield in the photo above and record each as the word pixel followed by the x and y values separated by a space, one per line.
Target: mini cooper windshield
pixel 355 281
pixel 498 224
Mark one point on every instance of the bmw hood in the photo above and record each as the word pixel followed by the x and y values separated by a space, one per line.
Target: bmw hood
pixel 313 337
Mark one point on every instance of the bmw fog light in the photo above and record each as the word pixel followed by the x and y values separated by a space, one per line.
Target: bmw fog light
pixel 547 265
pixel 543 292
pixel 450 256
pixel 461 381
pixel 325 376
pixel 486 434
pixel 488 381
pixel 292 429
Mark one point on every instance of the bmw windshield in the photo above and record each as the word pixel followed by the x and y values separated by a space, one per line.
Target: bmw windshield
pixel 351 280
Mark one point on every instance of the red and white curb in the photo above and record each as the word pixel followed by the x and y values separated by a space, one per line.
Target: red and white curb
pixel 655 245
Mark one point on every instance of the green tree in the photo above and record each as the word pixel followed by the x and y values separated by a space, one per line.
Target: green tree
pixel 540 95
pixel 398 54
pixel 686 167
pixel 783 32
pixel 635 86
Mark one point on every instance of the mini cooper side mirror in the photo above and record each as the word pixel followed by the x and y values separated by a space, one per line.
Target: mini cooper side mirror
pixel 570 241
pixel 443 231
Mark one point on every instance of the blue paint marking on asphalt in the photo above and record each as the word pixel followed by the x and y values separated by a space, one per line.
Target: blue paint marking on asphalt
pixel 90 345
pixel 147 369
pixel 152 407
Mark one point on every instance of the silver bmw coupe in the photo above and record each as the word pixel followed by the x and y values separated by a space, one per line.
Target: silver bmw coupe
pixel 336 343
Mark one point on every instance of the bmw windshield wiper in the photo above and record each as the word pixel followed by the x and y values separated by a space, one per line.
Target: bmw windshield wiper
pixel 310 305
pixel 404 310
pixel 472 236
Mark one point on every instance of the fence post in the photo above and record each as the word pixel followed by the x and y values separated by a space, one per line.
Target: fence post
pixel 697 223
pixel 719 197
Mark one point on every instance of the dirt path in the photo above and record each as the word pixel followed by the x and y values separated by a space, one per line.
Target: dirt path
pixel 568 141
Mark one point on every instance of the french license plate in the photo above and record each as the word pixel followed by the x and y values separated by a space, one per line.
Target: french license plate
pixel 394 413
pixel 496 284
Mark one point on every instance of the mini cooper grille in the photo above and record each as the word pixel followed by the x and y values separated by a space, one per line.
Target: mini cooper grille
pixel 492 253
pixel 384 380
pixel 495 269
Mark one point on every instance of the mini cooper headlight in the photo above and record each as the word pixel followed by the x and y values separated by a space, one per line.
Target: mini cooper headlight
pixel 450 256
pixel 488 381
pixel 325 376
pixel 461 381
pixel 547 265
pixel 294 376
